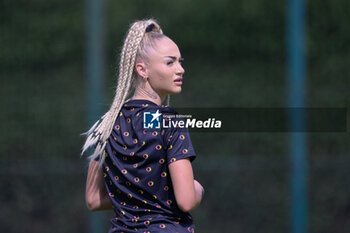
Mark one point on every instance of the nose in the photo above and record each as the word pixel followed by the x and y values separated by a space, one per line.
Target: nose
pixel 180 69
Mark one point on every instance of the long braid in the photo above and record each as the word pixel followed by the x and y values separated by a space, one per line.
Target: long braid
pixel 98 134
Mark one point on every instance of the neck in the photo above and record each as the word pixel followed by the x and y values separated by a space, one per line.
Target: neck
pixel 146 93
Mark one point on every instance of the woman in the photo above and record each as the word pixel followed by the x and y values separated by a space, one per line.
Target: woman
pixel 145 175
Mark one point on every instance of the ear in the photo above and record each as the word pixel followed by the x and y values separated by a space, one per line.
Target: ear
pixel 141 69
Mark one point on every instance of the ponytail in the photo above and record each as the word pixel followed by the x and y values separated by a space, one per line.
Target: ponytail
pixel 133 48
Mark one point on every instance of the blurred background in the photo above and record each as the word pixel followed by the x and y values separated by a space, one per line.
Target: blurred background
pixel 235 56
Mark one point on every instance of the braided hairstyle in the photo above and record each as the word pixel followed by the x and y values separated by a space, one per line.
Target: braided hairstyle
pixel 141 37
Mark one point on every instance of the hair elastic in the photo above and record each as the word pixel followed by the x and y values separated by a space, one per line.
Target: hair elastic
pixel 150 27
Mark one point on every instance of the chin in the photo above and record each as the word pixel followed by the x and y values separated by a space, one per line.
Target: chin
pixel 173 91
pixel 177 90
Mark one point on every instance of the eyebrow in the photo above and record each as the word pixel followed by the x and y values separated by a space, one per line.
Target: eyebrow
pixel 174 58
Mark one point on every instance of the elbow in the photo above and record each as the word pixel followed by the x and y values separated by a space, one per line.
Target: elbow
pixel 91 204
pixel 188 202
pixel 187 206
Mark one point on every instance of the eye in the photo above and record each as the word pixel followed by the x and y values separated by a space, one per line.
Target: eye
pixel 170 63
pixel 181 60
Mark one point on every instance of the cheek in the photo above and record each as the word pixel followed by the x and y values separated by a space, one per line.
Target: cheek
pixel 161 77
pixel 161 80
pixel 162 74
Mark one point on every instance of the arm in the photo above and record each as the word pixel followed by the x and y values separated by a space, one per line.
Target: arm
pixel 188 192
pixel 96 196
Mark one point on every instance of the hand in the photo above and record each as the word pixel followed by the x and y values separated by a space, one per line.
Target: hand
pixel 199 188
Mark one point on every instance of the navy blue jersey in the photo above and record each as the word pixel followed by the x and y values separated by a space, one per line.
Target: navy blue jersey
pixel 136 172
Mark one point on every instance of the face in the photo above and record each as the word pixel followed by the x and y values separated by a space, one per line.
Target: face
pixel 164 68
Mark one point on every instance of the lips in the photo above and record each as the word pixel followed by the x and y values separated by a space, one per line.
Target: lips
pixel 178 81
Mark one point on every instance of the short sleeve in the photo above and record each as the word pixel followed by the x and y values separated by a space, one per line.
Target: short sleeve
pixel 179 145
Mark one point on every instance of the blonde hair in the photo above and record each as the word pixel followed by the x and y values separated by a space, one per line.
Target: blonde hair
pixel 141 37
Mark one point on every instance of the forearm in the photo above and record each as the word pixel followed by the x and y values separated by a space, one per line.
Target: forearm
pixel 96 194
pixel 194 198
pixel 188 192
pixel 100 202
pixel 199 192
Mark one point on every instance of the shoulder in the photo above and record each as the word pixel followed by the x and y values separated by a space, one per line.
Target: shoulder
pixel 146 105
